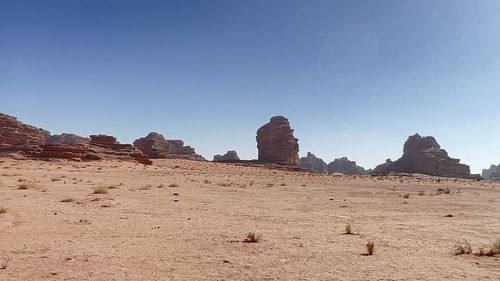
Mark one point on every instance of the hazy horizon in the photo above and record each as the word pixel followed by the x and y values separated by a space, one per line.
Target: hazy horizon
pixel 355 78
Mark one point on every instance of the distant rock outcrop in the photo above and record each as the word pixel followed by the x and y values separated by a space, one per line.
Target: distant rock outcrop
pixel 18 136
pixel 277 144
pixel 493 173
pixel 66 139
pixel 229 156
pixel 156 146
pixel 313 164
pixel 424 155
pixel 345 166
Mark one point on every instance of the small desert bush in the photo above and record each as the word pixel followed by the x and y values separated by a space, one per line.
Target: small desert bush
pixel 443 191
pixel 3 210
pixel 24 186
pixel 160 186
pixel 22 180
pixel 173 185
pixel 421 193
pixel 490 251
pixel 207 182
pixel 100 190
pixel 370 247
pixel 462 248
pixel 348 229
pixel 270 184
pixel 283 184
pixel 68 200
pixel 55 179
pixel 406 196
pixel 252 237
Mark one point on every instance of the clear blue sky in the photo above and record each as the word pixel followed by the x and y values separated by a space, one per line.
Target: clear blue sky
pixel 355 78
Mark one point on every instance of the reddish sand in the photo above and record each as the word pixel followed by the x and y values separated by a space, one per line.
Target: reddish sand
pixel 186 220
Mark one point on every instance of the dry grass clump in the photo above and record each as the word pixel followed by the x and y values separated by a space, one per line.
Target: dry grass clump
pixel 160 185
pixel 370 247
pixel 270 184
pixel 173 185
pixel 25 186
pixel 443 191
pixel 490 251
pixel 462 248
pixel 406 196
pixel 207 182
pixel 3 210
pixel 348 229
pixel 68 200
pixel 100 190
pixel 55 179
pixel 252 237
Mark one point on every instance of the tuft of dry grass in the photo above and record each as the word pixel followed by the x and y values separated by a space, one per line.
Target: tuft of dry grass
pixel 55 179
pixel 160 186
pixel 348 229
pixel 101 190
pixel 25 186
pixel 173 185
pixel 370 247
pixel 253 237
pixel 443 191
pixel 68 200
pixel 207 182
pixel 406 196
pixel 490 251
pixel 3 210
pixel 462 248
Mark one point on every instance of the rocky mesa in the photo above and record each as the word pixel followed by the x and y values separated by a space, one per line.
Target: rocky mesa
pixel 277 144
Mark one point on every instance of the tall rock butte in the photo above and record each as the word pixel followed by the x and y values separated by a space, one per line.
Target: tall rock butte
pixel 313 164
pixel 15 134
pixel 345 166
pixel 277 144
pixel 156 146
pixel 424 155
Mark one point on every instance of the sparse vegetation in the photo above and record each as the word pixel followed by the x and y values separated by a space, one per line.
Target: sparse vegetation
pixel 173 185
pixel 348 229
pixel 160 185
pixel 252 237
pixel 462 248
pixel 68 200
pixel 3 210
pixel 207 182
pixel 370 247
pixel 406 196
pixel 283 184
pixel 490 251
pixel 55 179
pixel 25 186
pixel 270 184
pixel 100 190
pixel 443 191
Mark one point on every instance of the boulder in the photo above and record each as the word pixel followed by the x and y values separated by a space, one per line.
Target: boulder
pixel 493 173
pixel 424 155
pixel 345 166
pixel 313 164
pixel 277 144
pixel 229 156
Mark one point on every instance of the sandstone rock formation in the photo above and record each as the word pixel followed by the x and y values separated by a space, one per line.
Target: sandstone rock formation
pixel 345 166
pixel 16 135
pixel 424 155
pixel 277 144
pixel 17 138
pixel 229 156
pixel 156 146
pixel 493 173
pixel 313 164
pixel 66 139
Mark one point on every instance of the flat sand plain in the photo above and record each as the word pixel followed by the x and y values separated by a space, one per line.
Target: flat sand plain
pixel 186 220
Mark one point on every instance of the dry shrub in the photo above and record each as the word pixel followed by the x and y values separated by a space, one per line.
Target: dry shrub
pixel 443 191
pixel 160 186
pixel 406 196
pixel 252 237
pixel 207 182
pixel 173 185
pixel 100 190
pixel 55 179
pixel 348 229
pixel 68 200
pixel 462 248
pixel 25 186
pixel 3 210
pixel 490 251
pixel 370 247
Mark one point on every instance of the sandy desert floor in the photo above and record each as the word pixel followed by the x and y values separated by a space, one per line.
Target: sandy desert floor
pixel 186 220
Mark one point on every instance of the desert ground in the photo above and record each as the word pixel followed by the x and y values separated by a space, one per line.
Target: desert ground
pixel 187 220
